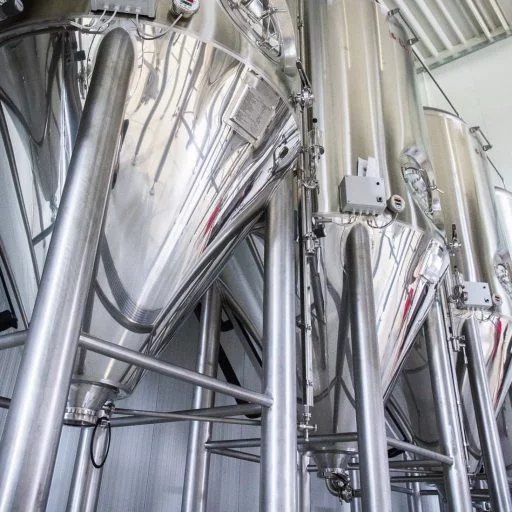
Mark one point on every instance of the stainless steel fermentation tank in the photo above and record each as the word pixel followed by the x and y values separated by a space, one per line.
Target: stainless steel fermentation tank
pixel 199 133
pixel 367 107
pixel 474 322
pixel 206 134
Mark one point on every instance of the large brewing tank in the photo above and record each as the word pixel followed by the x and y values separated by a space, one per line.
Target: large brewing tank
pixel 366 104
pixel 504 208
pixel 480 255
pixel 208 131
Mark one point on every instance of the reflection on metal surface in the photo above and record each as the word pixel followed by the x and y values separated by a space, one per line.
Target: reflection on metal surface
pixel 205 139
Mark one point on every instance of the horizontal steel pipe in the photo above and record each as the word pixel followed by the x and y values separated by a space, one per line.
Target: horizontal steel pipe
pixel 213 412
pixel 13 339
pixel 418 450
pixel 413 479
pixel 18 338
pixel 235 454
pixel 336 438
pixel 408 464
pixel 170 370
pixel 4 402
pixel 402 490
pixel 256 441
pixel 186 416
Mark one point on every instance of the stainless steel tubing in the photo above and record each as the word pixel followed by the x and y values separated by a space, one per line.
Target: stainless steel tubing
pixel 414 498
pixel 403 490
pixel 418 478
pixel 173 417
pixel 5 402
pixel 86 480
pixel 486 420
pixel 355 505
pixel 303 483
pixel 195 489
pixel 171 370
pixel 278 476
pixel 13 339
pixel 31 435
pixel 256 441
pixel 445 404
pixel 422 452
pixel 373 456
pixel 215 412
pixel 235 454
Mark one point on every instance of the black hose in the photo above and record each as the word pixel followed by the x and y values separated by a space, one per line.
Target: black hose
pixel 99 422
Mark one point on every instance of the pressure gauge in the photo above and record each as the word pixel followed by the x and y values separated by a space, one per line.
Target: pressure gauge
pixel 185 8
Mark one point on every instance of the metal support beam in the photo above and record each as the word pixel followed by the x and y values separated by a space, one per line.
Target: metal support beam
pixel 86 480
pixel 414 498
pixel 195 489
pixel 373 457
pixel 13 339
pixel 303 483
pixel 149 363
pixel 171 370
pixel 445 404
pixel 278 476
pixel 172 417
pixel 355 505
pixel 486 419
pixel 256 441
pixel 32 432
pixel 235 454
pixel 422 452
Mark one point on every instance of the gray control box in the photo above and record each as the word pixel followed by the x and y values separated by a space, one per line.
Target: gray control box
pixel 362 194
pixel 142 7
pixel 476 295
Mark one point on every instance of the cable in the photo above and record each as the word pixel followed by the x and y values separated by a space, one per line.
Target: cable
pixel 375 226
pixel 99 422
pixel 146 37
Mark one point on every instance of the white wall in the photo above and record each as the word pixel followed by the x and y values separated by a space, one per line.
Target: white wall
pixel 480 86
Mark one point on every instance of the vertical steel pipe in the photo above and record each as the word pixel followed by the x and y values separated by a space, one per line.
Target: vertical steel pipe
pixel 304 483
pixel 278 480
pixel 198 457
pixel 355 504
pixel 414 498
pixel 486 420
pixel 86 480
pixel 373 456
pixel 445 403
pixel 31 435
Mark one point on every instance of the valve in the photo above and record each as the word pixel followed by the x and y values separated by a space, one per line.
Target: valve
pixel 305 97
pixel 454 245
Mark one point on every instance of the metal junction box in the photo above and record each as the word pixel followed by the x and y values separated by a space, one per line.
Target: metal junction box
pixel 476 295
pixel 362 194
